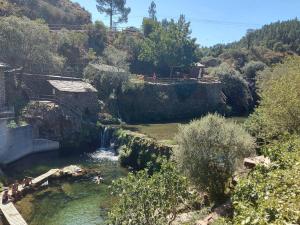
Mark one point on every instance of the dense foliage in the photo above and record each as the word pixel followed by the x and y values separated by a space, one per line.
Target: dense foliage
pixel 280 36
pixel 148 200
pixel 235 88
pixel 271 195
pixel 209 151
pixel 278 112
pixel 108 80
pixel 53 11
pixel 26 43
pixel 168 45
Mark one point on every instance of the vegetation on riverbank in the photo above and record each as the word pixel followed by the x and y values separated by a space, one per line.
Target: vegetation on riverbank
pixel 269 193
pixel 259 73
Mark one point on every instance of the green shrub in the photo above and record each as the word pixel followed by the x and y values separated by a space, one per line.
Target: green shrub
pixel 235 88
pixel 271 195
pixel 148 200
pixel 279 109
pixel 209 150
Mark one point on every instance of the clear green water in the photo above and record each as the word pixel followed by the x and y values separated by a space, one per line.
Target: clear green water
pixel 68 202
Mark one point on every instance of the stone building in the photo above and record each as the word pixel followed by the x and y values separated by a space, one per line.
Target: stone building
pixel 77 96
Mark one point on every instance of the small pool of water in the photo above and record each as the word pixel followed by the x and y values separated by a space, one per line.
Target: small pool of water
pixel 68 202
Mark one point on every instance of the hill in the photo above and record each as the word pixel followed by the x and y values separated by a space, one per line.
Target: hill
pixel 52 11
pixel 280 36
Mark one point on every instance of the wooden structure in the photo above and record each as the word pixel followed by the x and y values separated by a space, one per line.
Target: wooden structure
pixel 10 212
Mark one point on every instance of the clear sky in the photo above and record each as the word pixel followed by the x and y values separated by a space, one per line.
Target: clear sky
pixel 212 21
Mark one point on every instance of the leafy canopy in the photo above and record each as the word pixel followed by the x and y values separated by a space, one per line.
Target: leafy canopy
pixel 168 44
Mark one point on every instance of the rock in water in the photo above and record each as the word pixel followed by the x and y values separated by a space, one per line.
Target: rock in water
pixel 72 170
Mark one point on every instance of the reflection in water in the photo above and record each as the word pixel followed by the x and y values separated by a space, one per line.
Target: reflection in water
pixel 80 202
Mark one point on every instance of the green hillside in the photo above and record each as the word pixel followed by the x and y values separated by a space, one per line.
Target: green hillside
pixel 52 11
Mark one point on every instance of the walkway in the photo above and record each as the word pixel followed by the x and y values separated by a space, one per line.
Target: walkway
pixel 10 212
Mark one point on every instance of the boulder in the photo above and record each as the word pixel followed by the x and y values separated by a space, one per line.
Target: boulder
pixel 73 171
pixel 257 160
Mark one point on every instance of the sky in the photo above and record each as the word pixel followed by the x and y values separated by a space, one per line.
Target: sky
pixel 212 21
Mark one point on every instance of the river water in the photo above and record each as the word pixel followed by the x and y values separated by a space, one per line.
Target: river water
pixel 68 202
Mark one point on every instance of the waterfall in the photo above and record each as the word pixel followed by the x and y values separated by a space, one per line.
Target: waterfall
pixel 105 138
pixel 106 151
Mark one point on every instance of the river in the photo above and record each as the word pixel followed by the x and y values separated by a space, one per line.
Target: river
pixel 67 202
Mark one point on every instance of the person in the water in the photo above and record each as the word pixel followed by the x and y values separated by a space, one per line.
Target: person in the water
pixel 98 179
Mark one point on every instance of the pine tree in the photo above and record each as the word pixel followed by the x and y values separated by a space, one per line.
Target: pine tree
pixel 114 8
pixel 152 11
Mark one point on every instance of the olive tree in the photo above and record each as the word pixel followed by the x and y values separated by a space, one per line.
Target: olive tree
pixel 209 151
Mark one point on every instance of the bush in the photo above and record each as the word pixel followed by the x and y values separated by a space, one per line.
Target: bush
pixel 235 89
pixel 209 151
pixel 279 109
pixel 271 195
pixel 108 80
pixel 250 69
pixel 146 200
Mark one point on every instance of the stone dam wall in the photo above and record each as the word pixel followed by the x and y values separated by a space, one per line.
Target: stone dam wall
pixel 158 102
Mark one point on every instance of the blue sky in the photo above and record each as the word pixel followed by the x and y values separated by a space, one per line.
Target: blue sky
pixel 212 21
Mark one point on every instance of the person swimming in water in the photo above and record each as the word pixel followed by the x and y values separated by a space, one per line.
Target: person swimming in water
pixel 98 179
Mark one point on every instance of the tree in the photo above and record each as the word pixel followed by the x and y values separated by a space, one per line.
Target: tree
pixel 114 8
pixel 209 151
pixel 149 200
pixel 235 88
pixel 279 109
pixel 250 38
pixel 152 11
pixel 97 37
pixel 26 43
pixel 169 46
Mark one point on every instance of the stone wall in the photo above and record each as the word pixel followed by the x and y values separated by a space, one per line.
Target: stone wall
pixel 158 102
pixel 86 102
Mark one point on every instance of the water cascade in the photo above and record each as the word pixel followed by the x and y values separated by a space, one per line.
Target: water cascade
pixel 105 138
